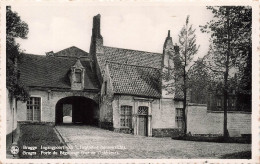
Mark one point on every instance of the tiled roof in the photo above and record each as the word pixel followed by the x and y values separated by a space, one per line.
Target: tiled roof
pixel 42 71
pixel 135 80
pixel 132 57
pixel 71 52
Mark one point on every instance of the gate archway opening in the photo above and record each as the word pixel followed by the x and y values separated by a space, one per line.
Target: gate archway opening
pixel 77 110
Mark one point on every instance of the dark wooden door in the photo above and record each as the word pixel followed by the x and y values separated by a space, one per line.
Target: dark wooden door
pixel 142 129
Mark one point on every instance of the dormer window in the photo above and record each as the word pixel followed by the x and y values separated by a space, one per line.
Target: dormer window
pixel 78 76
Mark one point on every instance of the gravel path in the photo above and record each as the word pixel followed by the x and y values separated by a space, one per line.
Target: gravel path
pixel 91 142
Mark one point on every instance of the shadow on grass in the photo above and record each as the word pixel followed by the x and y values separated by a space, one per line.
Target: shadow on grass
pixel 243 140
pixel 239 155
pixel 40 141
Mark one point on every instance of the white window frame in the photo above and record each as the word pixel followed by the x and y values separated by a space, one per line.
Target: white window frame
pixel 124 115
pixel 37 96
pixel 78 71
pixel 179 117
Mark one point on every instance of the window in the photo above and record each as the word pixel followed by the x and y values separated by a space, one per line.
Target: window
pixel 227 102
pixel 34 109
pixel 218 102
pixel 126 116
pixel 142 110
pixel 78 76
pixel 179 118
pixel 232 102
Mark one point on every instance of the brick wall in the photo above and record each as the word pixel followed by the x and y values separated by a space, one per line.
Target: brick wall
pixel 202 121
pixel 49 101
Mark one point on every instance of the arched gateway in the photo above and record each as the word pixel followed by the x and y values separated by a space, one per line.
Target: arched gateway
pixel 77 109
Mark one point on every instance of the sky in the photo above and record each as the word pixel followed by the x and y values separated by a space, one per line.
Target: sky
pixel 56 27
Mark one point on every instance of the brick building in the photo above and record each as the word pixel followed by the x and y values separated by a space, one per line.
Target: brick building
pixel 113 88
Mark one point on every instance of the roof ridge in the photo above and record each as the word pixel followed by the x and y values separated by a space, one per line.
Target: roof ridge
pixel 131 65
pixel 46 57
pixel 134 50
pixel 71 47
pixel 29 54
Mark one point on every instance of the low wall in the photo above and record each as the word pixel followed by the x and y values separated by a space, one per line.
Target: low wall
pixel 11 114
pixel 165 132
pixel 11 120
pixel 202 121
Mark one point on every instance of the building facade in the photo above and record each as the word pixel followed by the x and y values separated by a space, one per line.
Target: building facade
pixel 113 88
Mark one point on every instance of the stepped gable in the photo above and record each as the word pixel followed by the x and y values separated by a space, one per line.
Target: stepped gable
pixel 52 72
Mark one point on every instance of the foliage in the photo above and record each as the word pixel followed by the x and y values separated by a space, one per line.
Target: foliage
pixel 230 50
pixel 187 49
pixel 182 60
pixel 200 81
pixel 230 32
pixel 15 28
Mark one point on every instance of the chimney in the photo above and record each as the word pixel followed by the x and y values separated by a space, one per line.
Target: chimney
pixel 96 46
pixel 49 54
pixel 96 27
pixel 168 45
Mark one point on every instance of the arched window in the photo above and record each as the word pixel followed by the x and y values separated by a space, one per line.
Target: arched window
pixel 142 110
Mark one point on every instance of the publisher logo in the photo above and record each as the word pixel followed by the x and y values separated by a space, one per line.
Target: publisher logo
pixel 14 150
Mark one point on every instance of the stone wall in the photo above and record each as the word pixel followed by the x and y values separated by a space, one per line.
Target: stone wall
pixel 11 114
pixel 49 100
pixel 202 121
pixel 164 113
pixel 107 96
pixel 11 119
pixel 161 120
pixel 165 132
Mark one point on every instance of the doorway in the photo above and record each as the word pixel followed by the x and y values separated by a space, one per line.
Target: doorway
pixel 143 120
pixel 77 110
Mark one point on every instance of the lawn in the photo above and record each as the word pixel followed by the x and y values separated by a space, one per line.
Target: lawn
pixel 40 141
pixel 239 155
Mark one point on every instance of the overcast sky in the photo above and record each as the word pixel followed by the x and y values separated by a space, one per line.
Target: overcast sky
pixel 53 28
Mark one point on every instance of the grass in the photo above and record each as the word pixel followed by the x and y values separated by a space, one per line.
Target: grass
pixel 36 137
pixel 239 155
pixel 245 140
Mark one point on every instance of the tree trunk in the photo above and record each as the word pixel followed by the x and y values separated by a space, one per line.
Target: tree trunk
pixel 226 79
pixel 184 113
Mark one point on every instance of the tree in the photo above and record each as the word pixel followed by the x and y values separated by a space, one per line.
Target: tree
pixel 230 49
pixel 15 28
pixel 187 49
pixel 200 80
